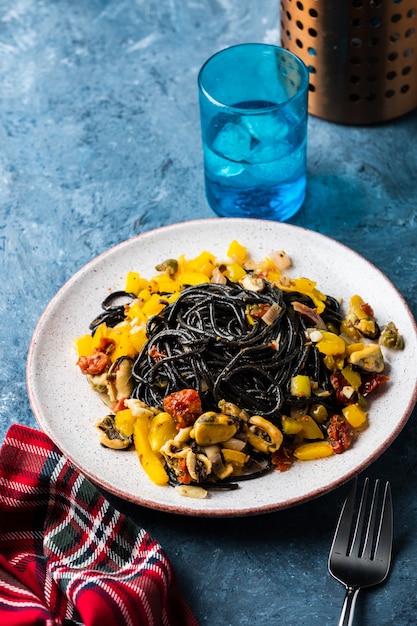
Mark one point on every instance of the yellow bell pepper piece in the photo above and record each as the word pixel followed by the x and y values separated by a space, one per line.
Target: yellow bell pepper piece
pixel 203 263
pixel 145 294
pixel 234 272
pixel 234 457
pixel 135 283
pixel 236 251
pixel 149 460
pixel 331 344
pixel 138 338
pixel 313 450
pixel 153 306
pixel 300 386
pixel 161 429
pixel 355 415
pixel 101 332
pixel 84 345
pixel 123 347
pixel 124 421
pixel 307 287
pixel 192 278
pixel 304 426
pixel 135 312
pixel 164 284
pixel 353 377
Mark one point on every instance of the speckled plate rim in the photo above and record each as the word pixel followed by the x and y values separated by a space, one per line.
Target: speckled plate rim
pixel 66 409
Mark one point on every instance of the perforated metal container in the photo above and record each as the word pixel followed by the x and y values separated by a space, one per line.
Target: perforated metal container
pixel 361 55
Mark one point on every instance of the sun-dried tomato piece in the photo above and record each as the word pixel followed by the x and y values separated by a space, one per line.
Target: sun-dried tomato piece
pixel 156 355
pixel 93 364
pixel 340 434
pixel 184 406
pixel 283 458
pixel 106 345
pixel 339 382
pixel 370 382
pixel 259 310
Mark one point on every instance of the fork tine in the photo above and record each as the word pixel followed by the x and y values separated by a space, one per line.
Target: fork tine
pixel 385 531
pixel 370 542
pixel 341 537
pixel 357 535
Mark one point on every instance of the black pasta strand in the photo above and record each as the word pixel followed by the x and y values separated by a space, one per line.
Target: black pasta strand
pixel 205 340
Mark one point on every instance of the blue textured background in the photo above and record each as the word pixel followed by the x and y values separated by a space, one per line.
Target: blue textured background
pixel 99 141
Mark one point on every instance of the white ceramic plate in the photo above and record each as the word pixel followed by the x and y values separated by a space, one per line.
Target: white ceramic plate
pixel 66 409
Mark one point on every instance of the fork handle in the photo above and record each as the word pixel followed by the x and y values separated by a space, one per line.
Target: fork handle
pixel 346 617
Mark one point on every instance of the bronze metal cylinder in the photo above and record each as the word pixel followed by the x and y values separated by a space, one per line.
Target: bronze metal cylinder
pixel 361 56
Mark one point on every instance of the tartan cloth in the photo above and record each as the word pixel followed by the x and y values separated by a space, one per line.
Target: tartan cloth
pixel 67 554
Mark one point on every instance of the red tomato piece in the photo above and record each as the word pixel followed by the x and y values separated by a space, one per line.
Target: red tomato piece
pixel 94 364
pixel 338 382
pixel 283 459
pixel 340 434
pixel 370 382
pixel 184 406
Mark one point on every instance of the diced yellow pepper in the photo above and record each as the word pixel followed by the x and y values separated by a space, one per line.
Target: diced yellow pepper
pixel 234 272
pixel 182 265
pixel 234 457
pixel 307 287
pixel 313 450
pixel 237 251
pixel 304 426
pixel 352 376
pixel 172 297
pixel 192 278
pixel 135 311
pixel 331 344
pixel 301 386
pixel 134 283
pixel 161 429
pixel 123 345
pixel 165 284
pixel 355 415
pixel 124 421
pixel 150 460
pixel 153 306
pixel 334 363
pixel 138 338
pixel 84 345
pixel 203 263
pixel 145 294
pixel 290 425
pixel 273 275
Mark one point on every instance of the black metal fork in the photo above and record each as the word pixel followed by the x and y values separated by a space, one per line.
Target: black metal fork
pixel 360 555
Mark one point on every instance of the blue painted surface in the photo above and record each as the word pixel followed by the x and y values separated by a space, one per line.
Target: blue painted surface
pixel 99 141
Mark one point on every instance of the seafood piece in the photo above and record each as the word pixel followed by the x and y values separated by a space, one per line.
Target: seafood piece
pixel 119 379
pixel 263 435
pixel 369 359
pixel 213 427
pixel 110 436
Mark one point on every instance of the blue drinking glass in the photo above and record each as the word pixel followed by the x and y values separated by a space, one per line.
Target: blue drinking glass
pixel 253 109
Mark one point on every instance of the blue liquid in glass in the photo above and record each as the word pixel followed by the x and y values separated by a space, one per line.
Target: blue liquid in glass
pixel 255 164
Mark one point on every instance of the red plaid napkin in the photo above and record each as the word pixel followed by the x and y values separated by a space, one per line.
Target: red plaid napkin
pixel 67 554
